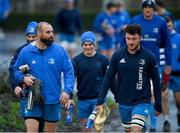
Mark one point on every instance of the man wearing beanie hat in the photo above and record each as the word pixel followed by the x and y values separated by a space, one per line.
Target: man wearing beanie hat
pixel 156 38
pixel 150 3
pixel 88 37
pixel 89 69
pixel 31 34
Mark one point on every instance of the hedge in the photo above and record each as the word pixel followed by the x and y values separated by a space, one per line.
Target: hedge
pixel 18 22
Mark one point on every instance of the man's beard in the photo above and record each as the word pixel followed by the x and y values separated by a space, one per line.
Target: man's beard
pixel 30 41
pixel 47 41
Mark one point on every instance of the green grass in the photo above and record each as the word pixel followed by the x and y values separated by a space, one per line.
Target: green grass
pixel 110 102
pixel 10 119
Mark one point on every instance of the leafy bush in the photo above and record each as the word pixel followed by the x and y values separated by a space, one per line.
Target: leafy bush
pixel 10 119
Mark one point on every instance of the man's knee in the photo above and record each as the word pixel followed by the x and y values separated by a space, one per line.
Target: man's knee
pixel 50 126
pixel 32 125
pixel 127 126
pixel 165 94
pixel 136 128
pixel 137 123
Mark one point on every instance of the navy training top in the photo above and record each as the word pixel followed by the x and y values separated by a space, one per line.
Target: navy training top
pixel 134 73
pixel 90 72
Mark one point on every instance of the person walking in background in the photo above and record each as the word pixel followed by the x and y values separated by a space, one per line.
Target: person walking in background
pixel 31 35
pixel 156 38
pixel 135 66
pixel 4 13
pixel 162 11
pixel 177 26
pixel 104 28
pixel 68 24
pixel 89 69
pixel 174 83
pixel 46 61
pixel 122 20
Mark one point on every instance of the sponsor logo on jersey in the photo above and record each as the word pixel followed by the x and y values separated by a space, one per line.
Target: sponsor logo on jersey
pixel 146 35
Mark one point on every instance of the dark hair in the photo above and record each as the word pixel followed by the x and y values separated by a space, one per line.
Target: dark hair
pixel 168 19
pixel 110 5
pixel 133 29
pixel 159 3
pixel 118 4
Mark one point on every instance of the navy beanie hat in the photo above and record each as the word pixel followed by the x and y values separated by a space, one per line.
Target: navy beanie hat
pixel 150 3
pixel 88 36
pixel 31 28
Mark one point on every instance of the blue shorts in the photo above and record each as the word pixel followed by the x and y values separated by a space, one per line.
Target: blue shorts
pixel 85 107
pixel 67 37
pixel 136 114
pixel 105 45
pixel 49 112
pixel 174 83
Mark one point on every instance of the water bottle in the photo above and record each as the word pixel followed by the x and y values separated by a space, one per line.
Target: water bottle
pixel 30 101
pixel 91 119
pixel 69 115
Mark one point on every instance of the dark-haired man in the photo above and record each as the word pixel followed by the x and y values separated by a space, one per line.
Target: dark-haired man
pixel 104 28
pixel 31 34
pixel 156 38
pixel 162 11
pixel 135 66
pixel 46 61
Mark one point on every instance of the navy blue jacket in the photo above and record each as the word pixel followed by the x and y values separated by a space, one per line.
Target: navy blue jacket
pixel 68 21
pixel 13 82
pixel 134 73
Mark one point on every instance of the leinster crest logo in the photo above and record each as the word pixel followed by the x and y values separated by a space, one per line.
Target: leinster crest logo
pixel 142 62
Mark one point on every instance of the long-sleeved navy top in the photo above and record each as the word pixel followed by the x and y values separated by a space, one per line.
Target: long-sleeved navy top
pixel 13 82
pixel 90 72
pixel 134 73
pixel 68 21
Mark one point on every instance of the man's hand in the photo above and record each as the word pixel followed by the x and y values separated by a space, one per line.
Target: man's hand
pixel 29 80
pixel 167 70
pixel 110 31
pixel 100 106
pixel 17 90
pixel 64 98
pixel 67 105
pixel 156 113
